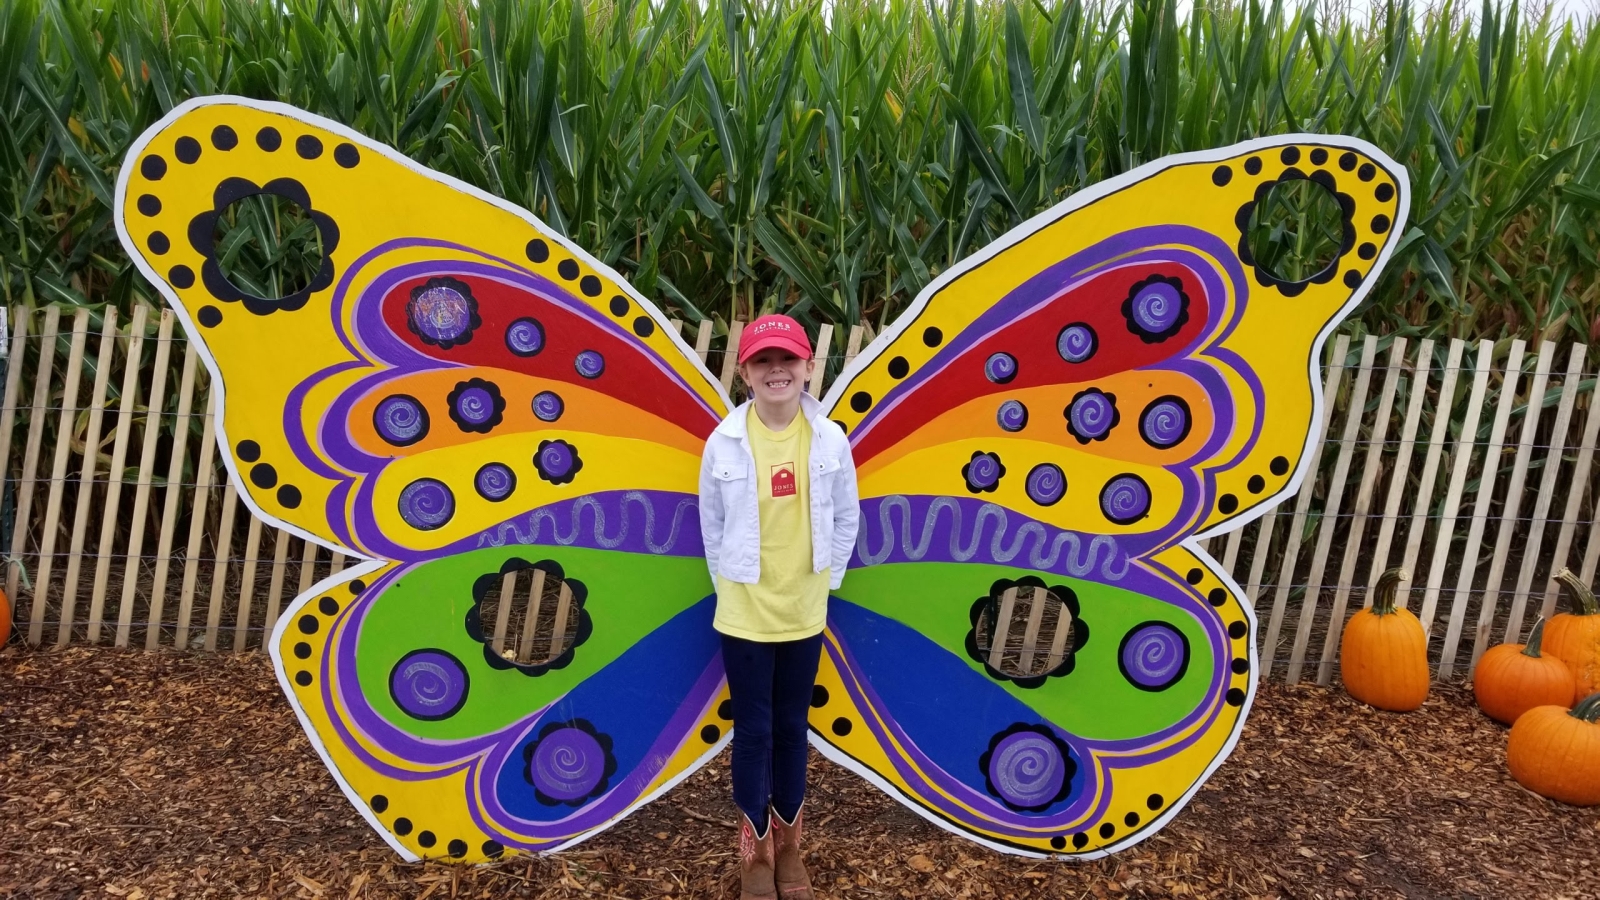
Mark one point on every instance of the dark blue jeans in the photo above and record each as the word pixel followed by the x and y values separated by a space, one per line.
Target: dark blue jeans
pixel 770 686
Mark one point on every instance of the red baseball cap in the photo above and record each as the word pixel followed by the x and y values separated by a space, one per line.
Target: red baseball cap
pixel 774 331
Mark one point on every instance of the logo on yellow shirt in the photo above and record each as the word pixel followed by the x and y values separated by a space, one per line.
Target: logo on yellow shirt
pixel 783 480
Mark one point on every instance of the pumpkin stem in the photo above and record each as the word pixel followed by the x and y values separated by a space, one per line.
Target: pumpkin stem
pixel 1583 602
pixel 1535 639
pixel 1588 709
pixel 1388 583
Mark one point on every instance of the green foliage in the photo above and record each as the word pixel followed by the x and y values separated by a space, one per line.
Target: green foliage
pixel 737 157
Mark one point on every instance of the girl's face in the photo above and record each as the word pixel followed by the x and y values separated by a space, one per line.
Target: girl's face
pixel 777 376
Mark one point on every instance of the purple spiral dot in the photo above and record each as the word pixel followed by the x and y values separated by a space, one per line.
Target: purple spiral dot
pixel 525 337
pixel 1125 499
pixel 495 481
pixel 1046 484
pixel 1000 368
pixel 1165 422
pixel 557 461
pixel 1093 414
pixel 567 764
pixel 547 405
pixel 1156 308
pixel 1012 416
pixel 590 364
pixel 1153 656
pixel 429 684
pixel 1076 343
pixel 440 313
pixel 475 405
pixel 426 504
pixel 984 471
pixel 1027 769
pixel 400 420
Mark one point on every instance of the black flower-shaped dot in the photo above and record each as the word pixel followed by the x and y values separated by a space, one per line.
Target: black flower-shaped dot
pixel 202 237
pixel 476 406
pixel 1347 210
pixel 557 461
pixel 1156 308
pixel 442 312
pixel 569 763
pixel 983 473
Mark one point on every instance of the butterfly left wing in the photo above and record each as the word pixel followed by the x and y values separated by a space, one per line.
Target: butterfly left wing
pixel 1031 649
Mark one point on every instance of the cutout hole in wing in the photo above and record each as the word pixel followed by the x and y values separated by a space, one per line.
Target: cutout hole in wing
pixel 1296 230
pixel 267 246
pixel 1034 635
pixel 530 616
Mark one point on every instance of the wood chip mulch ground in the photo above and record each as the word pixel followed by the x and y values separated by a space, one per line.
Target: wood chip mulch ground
pixel 141 775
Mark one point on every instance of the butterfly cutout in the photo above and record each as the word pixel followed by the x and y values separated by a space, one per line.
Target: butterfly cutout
pixel 466 399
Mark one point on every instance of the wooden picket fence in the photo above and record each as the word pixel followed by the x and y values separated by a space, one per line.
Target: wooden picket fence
pixel 1469 465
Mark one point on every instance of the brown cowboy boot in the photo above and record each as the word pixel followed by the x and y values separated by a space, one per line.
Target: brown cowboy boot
pixel 790 871
pixel 755 863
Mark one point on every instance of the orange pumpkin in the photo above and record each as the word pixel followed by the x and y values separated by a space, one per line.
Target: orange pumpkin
pixel 1556 753
pixel 1514 678
pixel 1574 637
pixel 1383 657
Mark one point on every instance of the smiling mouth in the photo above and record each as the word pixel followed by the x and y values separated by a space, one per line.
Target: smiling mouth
pixel 779 384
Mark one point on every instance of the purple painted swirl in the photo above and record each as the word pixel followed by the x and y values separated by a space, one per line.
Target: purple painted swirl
pixel 426 504
pixel 1046 484
pixel 590 364
pixel 547 405
pixel 1012 416
pixel 567 764
pixel 1153 656
pixel 440 314
pixel 525 337
pixel 1125 499
pixel 401 420
pixel 1077 342
pixel 429 684
pixel 557 461
pixel 1165 422
pixel 495 481
pixel 1092 415
pixel 1156 309
pixel 475 405
pixel 1026 769
pixel 983 472
pixel 1000 368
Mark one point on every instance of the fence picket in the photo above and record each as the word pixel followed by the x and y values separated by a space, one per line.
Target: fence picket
pixel 730 355
pixel 91 455
pixel 247 580
pixel 1258 560
pixel 1422 500
pixel 197 524
pixel 1547 480
pixel 219 569
pixel 1575 496
pixel 115 474
pixel 141 495
pixel 14 366
pixel 169 514
pixel 1462 459
pixel 1402 466
pixel 1519 473
pixel 820 354
pixel 280 568
pixel 30 458
pixel 58 474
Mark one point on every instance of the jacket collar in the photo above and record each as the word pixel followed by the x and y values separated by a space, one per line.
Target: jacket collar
pixel 736 424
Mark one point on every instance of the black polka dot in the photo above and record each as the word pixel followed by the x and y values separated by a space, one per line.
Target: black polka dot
pixel 426 839
pixel 1366 172
pixel 458 848
pixel 289 497
pixel 308 146
pixel 932 336
pixel 619 303
pixel 249 451
pixel 590 286
pixel 303 679
pixel 1154 801
pixel 644 326
pixel 1319 156
pixel 1279 465
pixel 493 849
pixel 153 167
pixel 819 696
pixel 538 251
pixel 308 624
pixel 1347 161
pixel 1195 576
pixel 380 803
pixel 263 475
pixel 842 726
pixel 1366 251
pixel 328 605
pixel 187 150
pixel 1132 818
pixel 1058 843
pixel 1108 829
pixel 860 401
pixel 1235 697
pixel 1384 193
pixel 1241 666
pixel 158 243
pixel 302 650
pixel 357 586
pixel 842 426
pixel 1221 175
pixel 1352 279
pixel 1228 504
pixel 1238 630
pixel 568 268
pixel 347 155
pixel 1217 596
pixel 1380 224
pixel 149 205
pixel 224 138
pixel 210 316
pixel 269 139
pixel 182 277
pixel 1257 484
pixel 710 733
pixel 725 710
pixel 898 367
pixel 402 826
pixel 1253 165
pixel 1080 840
pixel 1290 155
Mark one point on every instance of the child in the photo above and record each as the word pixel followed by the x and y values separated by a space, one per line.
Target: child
pixel 778 514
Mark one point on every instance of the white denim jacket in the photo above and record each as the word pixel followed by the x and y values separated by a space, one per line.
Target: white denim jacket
pixel 729 521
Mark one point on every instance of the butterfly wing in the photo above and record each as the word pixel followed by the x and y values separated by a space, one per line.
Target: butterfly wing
pixel 470 402
pixel 1033 650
